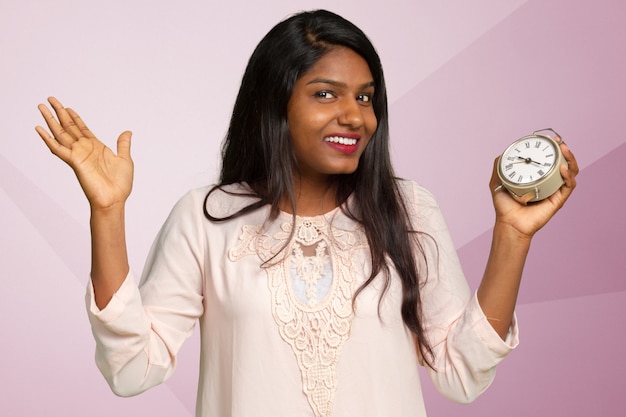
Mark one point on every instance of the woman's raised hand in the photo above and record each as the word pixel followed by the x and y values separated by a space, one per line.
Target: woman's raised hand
pixel 516 223
pixel 526 218
pixel 106 178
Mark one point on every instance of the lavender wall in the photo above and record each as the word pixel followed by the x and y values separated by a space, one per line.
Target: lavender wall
pixel 465 79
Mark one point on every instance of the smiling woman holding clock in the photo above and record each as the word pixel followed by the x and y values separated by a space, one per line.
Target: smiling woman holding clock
pixel 320 281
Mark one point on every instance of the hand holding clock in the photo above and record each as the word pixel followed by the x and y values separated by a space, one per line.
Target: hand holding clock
pixel 529 218
pixel 546 181
pixel 516 223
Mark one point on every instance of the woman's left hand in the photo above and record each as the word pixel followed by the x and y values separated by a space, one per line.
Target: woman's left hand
pixel 527 218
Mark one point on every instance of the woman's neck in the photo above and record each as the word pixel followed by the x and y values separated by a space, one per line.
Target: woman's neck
pixel 312 198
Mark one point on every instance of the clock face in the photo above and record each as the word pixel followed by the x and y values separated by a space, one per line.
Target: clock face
pixel 528 160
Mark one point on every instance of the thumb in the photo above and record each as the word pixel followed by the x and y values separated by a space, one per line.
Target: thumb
pixel 123 144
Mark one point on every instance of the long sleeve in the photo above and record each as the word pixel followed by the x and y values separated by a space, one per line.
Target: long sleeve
pixel 466 348
pixel 139 333
pixel 216 271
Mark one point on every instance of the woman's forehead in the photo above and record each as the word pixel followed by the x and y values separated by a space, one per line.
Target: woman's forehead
pixel 340 65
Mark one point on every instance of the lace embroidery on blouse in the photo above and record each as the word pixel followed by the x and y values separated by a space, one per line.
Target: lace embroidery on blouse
pixel 312 287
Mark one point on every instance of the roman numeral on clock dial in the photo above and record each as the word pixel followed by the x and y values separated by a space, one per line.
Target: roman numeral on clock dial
pixel 528 160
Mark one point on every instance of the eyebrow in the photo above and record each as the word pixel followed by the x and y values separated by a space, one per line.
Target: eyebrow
pixel 338 83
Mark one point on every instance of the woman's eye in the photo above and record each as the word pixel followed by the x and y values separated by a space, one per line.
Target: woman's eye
pixel 325 94
pixel 366 98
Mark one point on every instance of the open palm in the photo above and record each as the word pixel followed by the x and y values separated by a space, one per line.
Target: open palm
pixel 105 177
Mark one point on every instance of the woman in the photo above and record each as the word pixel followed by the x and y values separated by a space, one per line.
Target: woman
pixel 320 280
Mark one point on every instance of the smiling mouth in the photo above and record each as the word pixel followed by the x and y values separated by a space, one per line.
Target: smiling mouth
pixel 341 140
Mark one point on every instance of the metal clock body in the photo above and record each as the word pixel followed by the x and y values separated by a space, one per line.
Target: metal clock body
pixel 532 164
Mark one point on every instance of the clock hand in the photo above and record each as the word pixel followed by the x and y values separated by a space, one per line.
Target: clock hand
pixel 527 161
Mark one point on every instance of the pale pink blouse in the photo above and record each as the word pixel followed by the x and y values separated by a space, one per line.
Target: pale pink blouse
pixel 279 334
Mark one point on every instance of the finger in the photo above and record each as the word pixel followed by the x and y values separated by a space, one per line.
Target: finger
pixel 505 194
pixel 562 194
pixel 526 198
pixel 59 133
pixel 569 178
pixel 569 171
pixel 66 120
pixel 80 124
pixel 55 147
pixel 570 158
pixel 494 181
pixel 123 145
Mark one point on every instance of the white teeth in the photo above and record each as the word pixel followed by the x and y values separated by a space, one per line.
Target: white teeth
pixel 340 140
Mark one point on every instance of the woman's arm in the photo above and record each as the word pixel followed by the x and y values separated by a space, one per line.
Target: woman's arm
pixel 140 332
pixel 516 224
pixel 106 179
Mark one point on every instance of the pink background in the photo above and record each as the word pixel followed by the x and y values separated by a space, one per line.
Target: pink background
pixel 465 79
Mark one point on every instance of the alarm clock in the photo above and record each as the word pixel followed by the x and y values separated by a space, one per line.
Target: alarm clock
pixel 531 164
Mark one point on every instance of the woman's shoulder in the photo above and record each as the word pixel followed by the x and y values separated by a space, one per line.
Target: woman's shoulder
pixel 415 194
pixel 422 207
pixel 220 200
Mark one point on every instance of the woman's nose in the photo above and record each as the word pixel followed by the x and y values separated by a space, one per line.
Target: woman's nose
pixel 350 113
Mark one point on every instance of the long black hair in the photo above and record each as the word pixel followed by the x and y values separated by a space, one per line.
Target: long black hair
pixel 258 150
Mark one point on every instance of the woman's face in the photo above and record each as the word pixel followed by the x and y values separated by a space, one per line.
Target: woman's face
pixel 330 114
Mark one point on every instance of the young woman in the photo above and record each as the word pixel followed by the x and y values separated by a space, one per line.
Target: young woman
pixel 319 279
